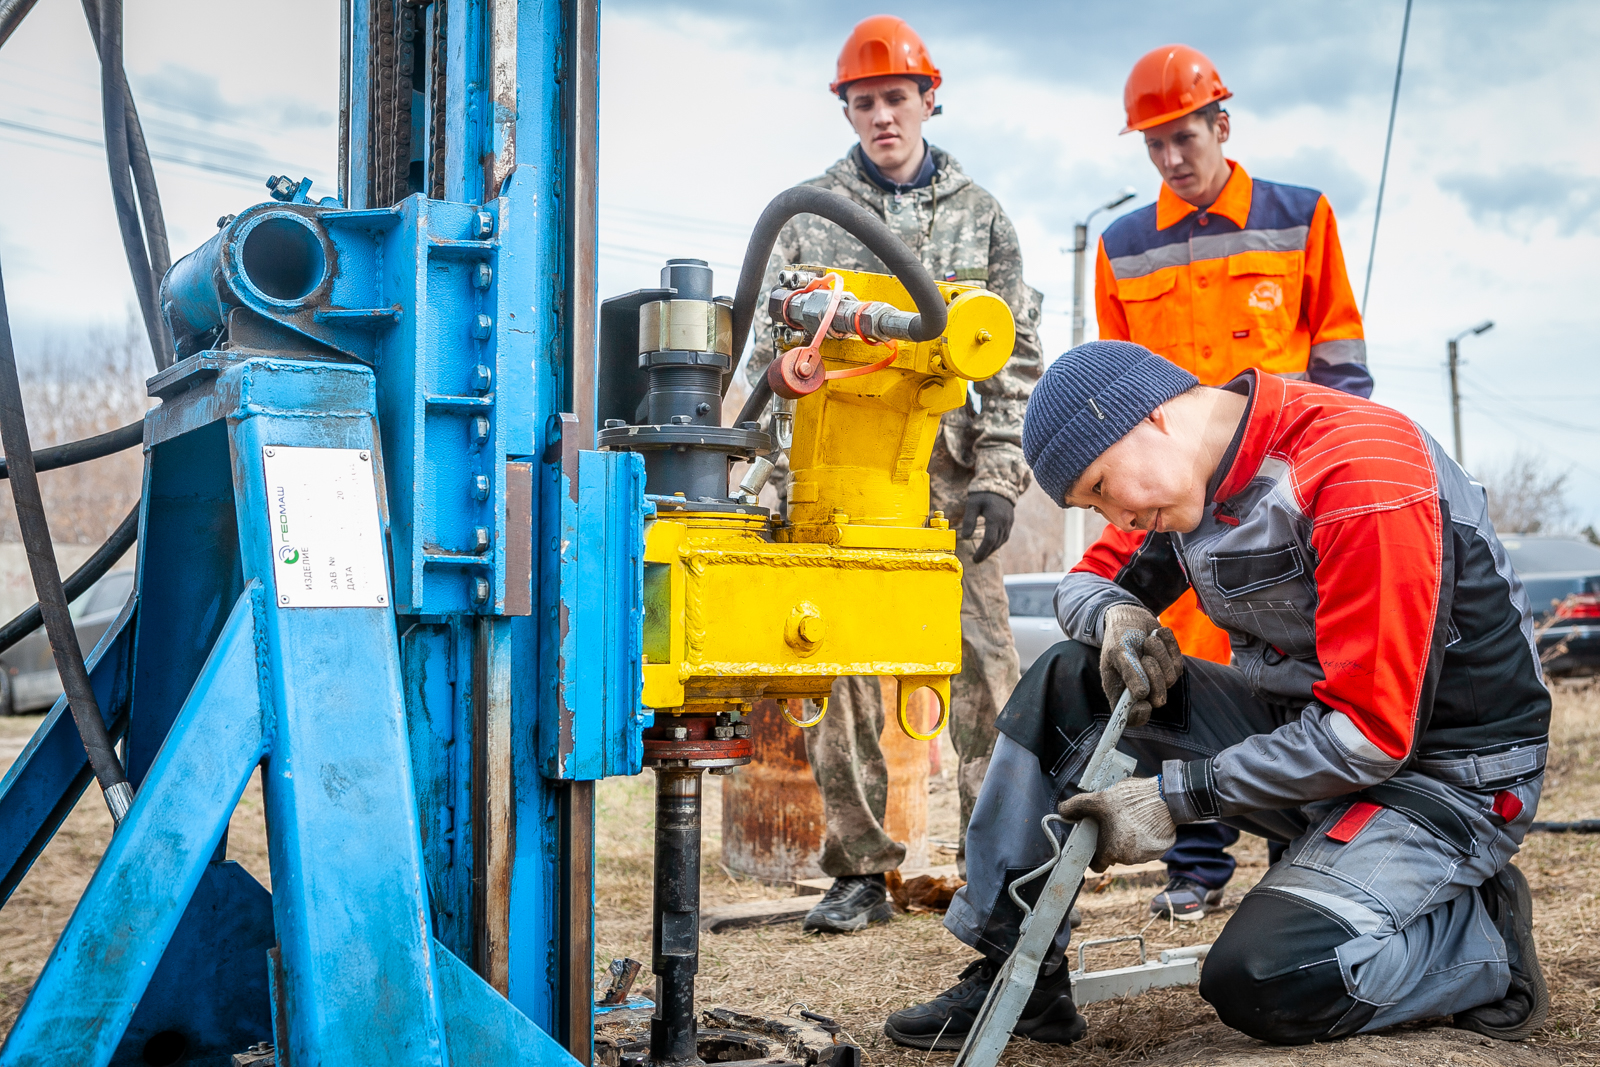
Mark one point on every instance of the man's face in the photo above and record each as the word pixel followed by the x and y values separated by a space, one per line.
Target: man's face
pixel 1188 153
pixel 1146 481
pixel 887 114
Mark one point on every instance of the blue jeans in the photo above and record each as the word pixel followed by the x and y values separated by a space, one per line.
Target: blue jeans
pixel 1200 854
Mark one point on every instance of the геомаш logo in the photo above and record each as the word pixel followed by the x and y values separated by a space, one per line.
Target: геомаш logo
pixel 289 554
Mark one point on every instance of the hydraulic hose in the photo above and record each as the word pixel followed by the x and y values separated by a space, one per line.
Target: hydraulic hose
pixel 78 582
pixel 126 150
pixel 53 603
pixel 12 13
pixel 859 223
pixel 73 452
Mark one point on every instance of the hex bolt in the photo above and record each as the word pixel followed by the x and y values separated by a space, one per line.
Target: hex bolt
pixel 702 409
pixel 741 730
pixel 483 225
pixel 615 424
pixel 480 590
pixel 482 327
pixel 479 433
pixel 722 733
pixel 482 276
pixel 680 420
pixel 482 378
pixel 480 539
pixel 480 487
pixel 678 733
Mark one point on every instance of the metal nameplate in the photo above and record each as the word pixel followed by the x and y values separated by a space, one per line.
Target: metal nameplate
pixel 327 542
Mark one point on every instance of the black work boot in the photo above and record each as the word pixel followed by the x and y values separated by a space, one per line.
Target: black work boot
pixel 852 903
pixel 944 1022
pixel 1526 1004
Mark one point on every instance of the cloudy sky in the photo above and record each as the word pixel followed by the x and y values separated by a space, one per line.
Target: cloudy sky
pixel 709 107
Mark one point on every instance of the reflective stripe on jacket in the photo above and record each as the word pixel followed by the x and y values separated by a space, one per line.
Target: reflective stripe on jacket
pixel 1356 570
pixel 1255 280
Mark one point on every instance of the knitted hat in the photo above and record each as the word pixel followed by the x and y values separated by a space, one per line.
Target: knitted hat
pixel 1087 401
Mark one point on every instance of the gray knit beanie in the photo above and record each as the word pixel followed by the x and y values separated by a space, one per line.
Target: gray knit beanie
pixel 1087 401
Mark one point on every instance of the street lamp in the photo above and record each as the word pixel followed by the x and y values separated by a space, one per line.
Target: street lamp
pixel 1455 389
pixel 1074 532
pixel 1080 248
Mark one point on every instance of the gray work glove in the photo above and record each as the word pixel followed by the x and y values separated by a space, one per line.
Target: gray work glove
pixel 1137 653
pixel 997 513
pixel 1135 824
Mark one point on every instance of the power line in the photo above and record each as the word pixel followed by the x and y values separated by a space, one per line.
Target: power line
pixel 1388 140
pixel 213 168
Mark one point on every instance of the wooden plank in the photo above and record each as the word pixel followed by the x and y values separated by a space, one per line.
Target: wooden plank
pixel 813 887
pixel 1152 873
pixel 755 913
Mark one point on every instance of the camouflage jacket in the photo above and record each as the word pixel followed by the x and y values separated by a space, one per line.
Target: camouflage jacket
pixel 961 234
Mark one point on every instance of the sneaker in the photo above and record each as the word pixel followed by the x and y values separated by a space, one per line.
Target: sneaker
pixel 852 903
pixel 1526 1004
pixel 943 1023
pixel 1185 899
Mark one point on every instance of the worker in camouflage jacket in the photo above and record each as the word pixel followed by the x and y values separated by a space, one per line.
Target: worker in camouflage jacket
pixel 977 469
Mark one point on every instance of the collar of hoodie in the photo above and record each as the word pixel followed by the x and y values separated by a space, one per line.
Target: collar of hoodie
pixel 923 179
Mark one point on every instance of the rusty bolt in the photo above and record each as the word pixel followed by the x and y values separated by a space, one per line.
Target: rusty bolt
pixel 678 733
pixel 742 730
pixel 722 733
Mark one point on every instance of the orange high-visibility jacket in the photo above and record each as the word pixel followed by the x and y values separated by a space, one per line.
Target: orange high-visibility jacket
pixel 1255 280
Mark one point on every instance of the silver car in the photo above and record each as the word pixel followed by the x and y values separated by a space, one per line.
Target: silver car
pixel 28 679
pixel 1033 615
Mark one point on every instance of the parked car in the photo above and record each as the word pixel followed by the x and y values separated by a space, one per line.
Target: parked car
pixel 28 679
pixel 1562 576
pixel 1033 614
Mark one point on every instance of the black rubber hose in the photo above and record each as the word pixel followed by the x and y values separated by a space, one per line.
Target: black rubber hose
pixel 859 223
pixel 53 603
pixel 12 12
pixel 1582 826
pixel 78 582
pixel 114 115
pixel 106 444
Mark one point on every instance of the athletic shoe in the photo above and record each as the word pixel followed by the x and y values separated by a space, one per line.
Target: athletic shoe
pixel 1185 899
pixel 852 903
pixel 1526 1004
pixel 943 1023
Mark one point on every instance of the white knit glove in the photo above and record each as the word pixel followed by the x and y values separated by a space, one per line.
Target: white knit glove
pixel 1137 653
pixel 1135 824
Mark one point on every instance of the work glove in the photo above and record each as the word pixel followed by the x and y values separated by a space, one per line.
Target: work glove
pixel 997 513
pixel 1135 824
pixel 1140 655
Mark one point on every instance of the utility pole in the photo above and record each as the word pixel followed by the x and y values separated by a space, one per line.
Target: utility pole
pixel 1454 350
pixel 1073 534
pixel 1080 250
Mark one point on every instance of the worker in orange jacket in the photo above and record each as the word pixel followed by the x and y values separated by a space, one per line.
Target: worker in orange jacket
pixel 1223 273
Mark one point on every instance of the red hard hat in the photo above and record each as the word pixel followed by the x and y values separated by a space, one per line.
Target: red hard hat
pixel 1168 83
pixel 883 46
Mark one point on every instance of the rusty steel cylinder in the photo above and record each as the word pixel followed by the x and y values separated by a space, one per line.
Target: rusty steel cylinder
pixel 772 821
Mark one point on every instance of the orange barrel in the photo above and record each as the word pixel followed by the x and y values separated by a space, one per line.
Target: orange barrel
pixel 772 822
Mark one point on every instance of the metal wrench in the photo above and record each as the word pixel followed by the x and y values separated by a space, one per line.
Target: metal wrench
pixel 1014 984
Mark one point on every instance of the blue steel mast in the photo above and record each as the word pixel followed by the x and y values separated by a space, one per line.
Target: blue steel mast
pixel 369 508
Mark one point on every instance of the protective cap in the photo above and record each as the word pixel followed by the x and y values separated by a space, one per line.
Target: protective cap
pixel 883 46
pixel 1168 83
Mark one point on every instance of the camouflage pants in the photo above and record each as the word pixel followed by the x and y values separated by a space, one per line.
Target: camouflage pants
pixel 843 748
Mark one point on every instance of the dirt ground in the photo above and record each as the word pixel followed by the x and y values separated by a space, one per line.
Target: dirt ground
pixel 860 978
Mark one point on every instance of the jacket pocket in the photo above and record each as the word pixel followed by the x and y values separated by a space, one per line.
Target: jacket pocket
pixel 1264 306
pixel 1238 573
pixel 1266 592
pixel 1150 304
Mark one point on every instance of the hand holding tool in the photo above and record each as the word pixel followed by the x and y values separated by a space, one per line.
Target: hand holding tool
pixel 1139 655
pixel 1135 823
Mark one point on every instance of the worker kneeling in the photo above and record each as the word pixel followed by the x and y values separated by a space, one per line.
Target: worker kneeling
pixel 1384 714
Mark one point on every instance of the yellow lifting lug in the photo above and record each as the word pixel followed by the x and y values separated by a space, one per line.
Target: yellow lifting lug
pixel 908 685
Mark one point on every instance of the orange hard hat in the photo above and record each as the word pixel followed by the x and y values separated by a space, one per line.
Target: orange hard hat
pixel 1168 83
pixel 883 46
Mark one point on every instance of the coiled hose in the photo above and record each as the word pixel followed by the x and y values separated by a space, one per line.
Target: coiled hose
pixel 53 603
pixel 859 223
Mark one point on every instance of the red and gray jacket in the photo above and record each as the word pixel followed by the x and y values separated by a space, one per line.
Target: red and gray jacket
pixel 1354 567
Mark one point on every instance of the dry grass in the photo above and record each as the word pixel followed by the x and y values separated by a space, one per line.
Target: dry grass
pixel 861 978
